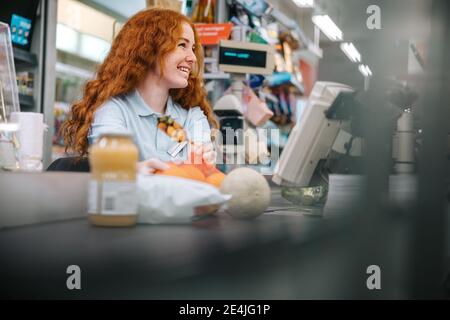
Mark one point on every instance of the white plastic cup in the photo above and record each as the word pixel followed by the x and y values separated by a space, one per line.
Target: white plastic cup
pixel 8 152
pixel 31 139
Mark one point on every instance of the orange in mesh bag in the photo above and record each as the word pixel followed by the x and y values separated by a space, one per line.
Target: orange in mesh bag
pixel 202 171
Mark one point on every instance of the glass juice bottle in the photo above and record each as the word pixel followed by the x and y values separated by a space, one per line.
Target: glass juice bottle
pixel 112 199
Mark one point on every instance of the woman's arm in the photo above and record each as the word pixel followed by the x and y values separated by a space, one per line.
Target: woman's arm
pixel 151 165
pixel 107 119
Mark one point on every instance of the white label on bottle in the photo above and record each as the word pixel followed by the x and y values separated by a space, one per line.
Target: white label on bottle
pixel 112 197
pixel 93 206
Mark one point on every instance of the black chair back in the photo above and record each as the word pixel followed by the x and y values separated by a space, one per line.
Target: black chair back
pixel 75 164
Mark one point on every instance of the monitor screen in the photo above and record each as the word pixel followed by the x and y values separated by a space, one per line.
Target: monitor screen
pixel 243 57
pixel 246 57
pixel 20 15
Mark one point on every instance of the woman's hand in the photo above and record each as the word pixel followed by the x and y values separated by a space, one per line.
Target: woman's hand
pixel 203 153
pixel 151 165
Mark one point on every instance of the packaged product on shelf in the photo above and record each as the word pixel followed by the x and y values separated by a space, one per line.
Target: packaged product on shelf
pixel 60 112
pixel 168 4
pixel 25 82
pixel 256 110
pixel 204 11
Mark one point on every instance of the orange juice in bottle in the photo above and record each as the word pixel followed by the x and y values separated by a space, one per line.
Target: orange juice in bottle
pixel 112 188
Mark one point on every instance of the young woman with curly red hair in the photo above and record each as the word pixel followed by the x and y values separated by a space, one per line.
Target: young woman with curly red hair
pixel 154 68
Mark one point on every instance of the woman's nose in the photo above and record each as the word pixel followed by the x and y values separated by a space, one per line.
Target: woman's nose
pixel 191 58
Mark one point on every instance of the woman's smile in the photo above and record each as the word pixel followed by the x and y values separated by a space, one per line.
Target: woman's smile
pixel 184 70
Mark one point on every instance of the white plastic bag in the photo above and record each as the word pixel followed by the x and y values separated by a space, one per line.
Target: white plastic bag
pixel 164 199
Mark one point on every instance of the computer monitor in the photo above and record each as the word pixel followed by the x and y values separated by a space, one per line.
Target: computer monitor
pixel 246 57
pixel 311 140
pixel 20 15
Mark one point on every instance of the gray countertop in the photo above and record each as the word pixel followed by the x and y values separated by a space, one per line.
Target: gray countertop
pixel 215 258
pixel 126 262
pixel 282 254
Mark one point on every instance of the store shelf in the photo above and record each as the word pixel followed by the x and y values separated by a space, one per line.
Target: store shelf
pixel 210 60
pixel 24 59
pixel 216 76
pixel 288 79
pixel 26 101
pixel 73 71
pixel 300 88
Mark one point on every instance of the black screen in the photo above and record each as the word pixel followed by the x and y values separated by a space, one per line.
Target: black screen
pixel 242 57
pixel 20 15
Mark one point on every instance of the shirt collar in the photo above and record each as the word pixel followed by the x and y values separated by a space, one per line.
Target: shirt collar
pixel 144 110
pixel 171 109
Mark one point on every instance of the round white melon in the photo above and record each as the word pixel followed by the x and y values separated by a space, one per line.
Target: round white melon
pixel 250 193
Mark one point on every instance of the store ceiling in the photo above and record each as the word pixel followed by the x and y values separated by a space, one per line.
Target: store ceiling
pixel 401 19
pixel 385 51
pixel 119 9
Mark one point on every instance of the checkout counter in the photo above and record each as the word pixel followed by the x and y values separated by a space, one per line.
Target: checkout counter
pixel 286 253
pixel 282 254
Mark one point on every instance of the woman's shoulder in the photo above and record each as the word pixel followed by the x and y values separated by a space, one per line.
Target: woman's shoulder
pixel 187 112
pixel 115 107
pixel 179 109
pixel 117 104
pixel 196 112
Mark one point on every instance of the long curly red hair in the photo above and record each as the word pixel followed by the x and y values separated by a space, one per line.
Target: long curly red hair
pixel 142 43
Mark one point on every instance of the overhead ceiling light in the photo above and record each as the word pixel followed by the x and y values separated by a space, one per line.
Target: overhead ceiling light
pixel 304 3
pixel 351 52
pixel 365 70
pixel 328 27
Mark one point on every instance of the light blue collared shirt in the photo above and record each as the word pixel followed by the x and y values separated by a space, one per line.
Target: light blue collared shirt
pixel 130 114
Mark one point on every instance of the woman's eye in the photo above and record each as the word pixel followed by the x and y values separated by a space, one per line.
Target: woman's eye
pixel 182 45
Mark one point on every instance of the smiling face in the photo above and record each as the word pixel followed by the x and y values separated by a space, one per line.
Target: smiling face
pixel 179 63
